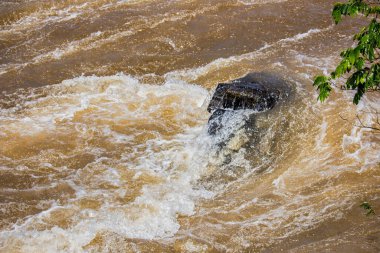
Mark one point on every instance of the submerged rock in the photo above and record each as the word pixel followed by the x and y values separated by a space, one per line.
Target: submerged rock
pixel 258 92
pixel 243 94
pixel 250 127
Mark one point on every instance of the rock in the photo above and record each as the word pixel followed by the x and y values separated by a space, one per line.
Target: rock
pixel 258 92
pixel 250 127
pixel 215 121
pixel 249 92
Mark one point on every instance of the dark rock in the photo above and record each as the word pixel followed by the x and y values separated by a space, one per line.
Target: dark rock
pixel 238 96
pixel 250 126
pixel 215 120
pixel 258 92
pixel 249 92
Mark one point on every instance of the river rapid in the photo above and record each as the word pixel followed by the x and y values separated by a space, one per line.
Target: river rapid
pixel 103 130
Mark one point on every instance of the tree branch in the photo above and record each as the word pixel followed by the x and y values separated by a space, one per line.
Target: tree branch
pixel 362 124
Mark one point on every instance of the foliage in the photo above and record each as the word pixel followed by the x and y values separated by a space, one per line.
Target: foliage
pixel 366 206
pixel 361 61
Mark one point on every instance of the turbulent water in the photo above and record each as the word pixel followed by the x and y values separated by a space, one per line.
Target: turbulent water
pixel 103 130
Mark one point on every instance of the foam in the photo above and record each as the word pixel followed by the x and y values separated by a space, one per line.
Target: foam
pixel 179 162
pixel 42 17
pixel 191 75
pixel 255 2
pixel 95 39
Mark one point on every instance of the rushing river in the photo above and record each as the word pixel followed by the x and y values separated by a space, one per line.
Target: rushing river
pixel 103 130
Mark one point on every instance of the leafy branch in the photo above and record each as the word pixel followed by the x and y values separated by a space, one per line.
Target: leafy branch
pixel 363 60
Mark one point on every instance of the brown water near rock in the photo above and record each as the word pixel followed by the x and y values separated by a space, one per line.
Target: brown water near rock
pixel 103 130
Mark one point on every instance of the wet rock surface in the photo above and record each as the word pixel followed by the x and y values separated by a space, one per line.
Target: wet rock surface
pixel 257 92
pixel 243 93
pixel 250 125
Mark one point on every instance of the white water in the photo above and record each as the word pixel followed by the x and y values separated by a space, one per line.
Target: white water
pixel 176 161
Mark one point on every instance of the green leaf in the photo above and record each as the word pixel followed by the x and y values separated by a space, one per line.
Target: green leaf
pixel 364 58
pixel 337 13
pixel 324 87
pixel 359 63
pixel 367 206
pixel 352 57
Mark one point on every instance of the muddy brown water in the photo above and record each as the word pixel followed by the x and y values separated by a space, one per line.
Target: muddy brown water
pixel 103 130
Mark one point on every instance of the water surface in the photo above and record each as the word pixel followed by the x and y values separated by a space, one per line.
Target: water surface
pixel 103 130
